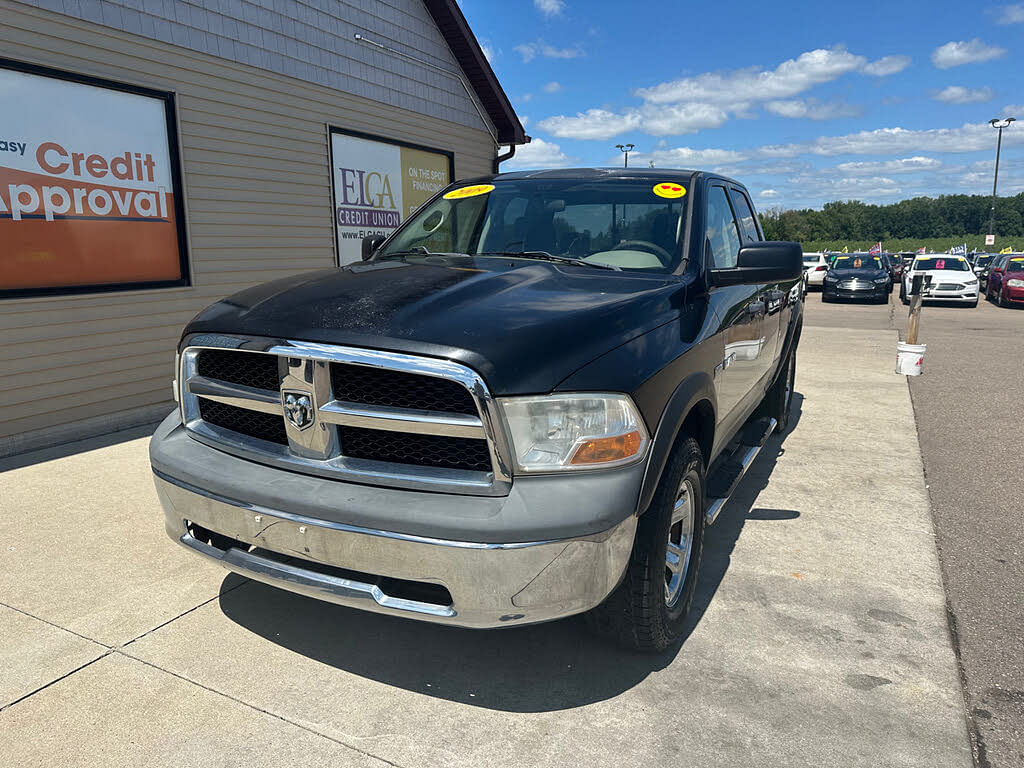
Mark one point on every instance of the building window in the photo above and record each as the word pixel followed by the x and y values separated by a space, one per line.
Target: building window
pixel 378 183
pixel 90 188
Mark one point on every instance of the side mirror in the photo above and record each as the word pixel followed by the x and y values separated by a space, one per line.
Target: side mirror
pixel 766 262
pixel 370 244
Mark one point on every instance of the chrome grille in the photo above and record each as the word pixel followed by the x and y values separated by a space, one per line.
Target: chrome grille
pixel 365 415
pixel 948 287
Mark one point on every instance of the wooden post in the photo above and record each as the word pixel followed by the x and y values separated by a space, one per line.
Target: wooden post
pixel 914 319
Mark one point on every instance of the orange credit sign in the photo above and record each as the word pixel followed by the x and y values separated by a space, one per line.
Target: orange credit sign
pixel 89 187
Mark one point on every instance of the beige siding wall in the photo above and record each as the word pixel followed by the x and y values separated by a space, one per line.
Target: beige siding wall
pixel 257 188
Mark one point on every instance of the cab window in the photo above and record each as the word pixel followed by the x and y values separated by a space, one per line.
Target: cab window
pixel 722 233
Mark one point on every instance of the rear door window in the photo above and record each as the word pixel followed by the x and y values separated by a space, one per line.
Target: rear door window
pixel 745 214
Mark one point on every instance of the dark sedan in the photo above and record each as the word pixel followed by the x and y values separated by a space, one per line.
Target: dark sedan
pixel 857 276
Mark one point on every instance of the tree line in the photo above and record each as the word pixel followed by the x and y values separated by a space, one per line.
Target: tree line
pixel 920 218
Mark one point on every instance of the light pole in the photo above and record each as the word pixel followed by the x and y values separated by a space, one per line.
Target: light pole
pixel 625 149
pixel 1000 124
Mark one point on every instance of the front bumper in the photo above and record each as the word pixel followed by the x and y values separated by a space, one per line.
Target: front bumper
pixel 875 292
pixel 313 547
pixel 965 295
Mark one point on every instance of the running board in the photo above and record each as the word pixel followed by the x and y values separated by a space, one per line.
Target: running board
pixel 730 472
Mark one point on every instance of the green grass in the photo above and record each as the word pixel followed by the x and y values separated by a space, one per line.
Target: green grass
pixel 937 244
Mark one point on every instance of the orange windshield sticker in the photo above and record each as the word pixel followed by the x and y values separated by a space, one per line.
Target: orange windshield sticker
pixel 472 191
pixel 669 190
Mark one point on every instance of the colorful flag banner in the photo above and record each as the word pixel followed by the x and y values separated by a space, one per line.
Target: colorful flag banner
pixel 875 249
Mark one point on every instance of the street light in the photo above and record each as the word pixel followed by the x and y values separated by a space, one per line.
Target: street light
pixel 1000 124
pixel 625 149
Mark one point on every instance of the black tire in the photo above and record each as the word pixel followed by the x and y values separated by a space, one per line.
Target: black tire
pixel 825 298
pixel 1001 299
pixel 638 614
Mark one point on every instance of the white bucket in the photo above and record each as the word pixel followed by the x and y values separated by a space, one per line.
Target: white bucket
pixel 909 358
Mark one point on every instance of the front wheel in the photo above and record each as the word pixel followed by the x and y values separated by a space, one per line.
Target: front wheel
pixel 648 610
pixel 1001 301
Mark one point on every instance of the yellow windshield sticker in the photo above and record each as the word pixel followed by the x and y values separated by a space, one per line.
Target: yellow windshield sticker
pixel 669 190
pixel 472 191
pixel 1021 259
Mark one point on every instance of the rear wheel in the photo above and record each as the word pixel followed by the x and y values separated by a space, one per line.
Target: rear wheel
pixel 647 611
pixel 1001 301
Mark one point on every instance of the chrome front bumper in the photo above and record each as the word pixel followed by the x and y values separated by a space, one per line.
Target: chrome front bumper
pixel 491 585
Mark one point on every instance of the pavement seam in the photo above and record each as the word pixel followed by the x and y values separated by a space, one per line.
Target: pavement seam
pixel 180 615
pixel 103 655
pixel 974 736
pixel 258 709
pixel 57 626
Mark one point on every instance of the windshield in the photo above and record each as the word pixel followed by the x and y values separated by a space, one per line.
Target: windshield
pixel 982 261
pixel 1015 265
pixel 857 262
pixel 811 258
pixel 624 223
pixel 951 263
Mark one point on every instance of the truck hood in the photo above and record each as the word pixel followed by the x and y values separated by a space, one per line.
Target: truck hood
pixel 524 326
pixel 943 275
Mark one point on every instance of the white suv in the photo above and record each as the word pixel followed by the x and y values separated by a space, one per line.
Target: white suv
pixel 815 267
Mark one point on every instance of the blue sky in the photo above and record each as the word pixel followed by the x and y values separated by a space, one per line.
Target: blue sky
pixel 805 102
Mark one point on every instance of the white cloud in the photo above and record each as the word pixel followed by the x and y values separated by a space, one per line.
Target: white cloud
pixel 827 186
pixel 685 157
pixel 887 65
pixel 680 118
pixel 812 109
pixel 1012 110
pixel 549 7
pixel 488 49
pixel 957 94
pixel 523 120
pixel 955 54
pixel 768 194
pixel 970 137
pixel 592 124
pixel 538 154
pixel 526 97
pixel 789 78
pixel 1011 14
pixel 530 51
pixel 553 87
pixel 904 165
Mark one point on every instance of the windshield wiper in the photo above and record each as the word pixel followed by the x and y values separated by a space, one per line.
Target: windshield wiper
pixel 419 250
pixel 545 256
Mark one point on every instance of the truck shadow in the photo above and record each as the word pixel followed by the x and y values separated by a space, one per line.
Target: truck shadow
pixel 542 668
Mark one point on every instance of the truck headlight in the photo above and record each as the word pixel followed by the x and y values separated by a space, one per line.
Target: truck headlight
pixel 556 433
pixel 1015 283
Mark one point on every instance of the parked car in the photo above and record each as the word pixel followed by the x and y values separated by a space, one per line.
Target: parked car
pixel 951 279
pixel 986 268
pixel 857 276
pixel 980 261
pixel 815 267
pixel 1006 281
pixel 527 402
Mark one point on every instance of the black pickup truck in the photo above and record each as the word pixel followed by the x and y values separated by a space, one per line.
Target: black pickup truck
pixel 527 402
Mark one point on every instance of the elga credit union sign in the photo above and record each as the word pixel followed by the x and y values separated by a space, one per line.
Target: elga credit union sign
pixel 378 184
pixel 87 187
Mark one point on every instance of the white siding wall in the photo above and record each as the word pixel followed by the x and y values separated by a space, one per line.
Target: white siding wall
pixel 257 190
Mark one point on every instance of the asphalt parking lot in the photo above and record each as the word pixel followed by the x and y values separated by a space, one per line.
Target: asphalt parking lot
pixel 819 635
pixel 971 443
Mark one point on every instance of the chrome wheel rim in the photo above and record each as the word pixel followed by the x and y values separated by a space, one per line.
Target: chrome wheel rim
pixel 680 543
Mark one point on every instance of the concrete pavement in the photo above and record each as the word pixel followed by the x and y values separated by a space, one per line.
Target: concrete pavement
pixel 819 635
pixel 971 441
